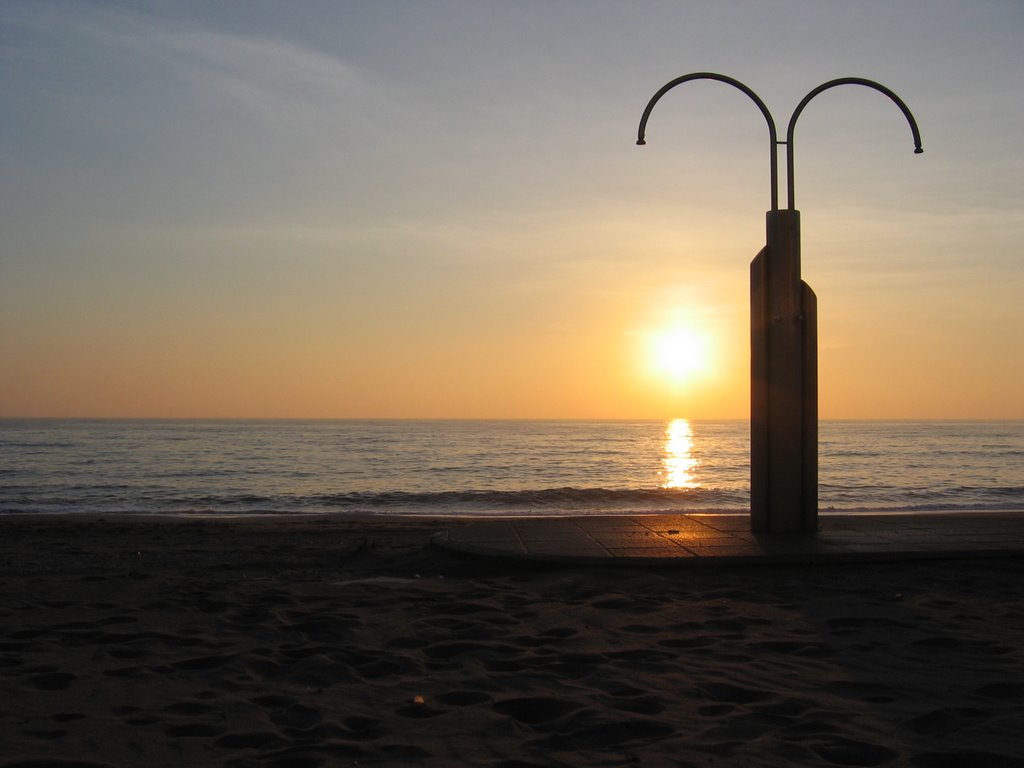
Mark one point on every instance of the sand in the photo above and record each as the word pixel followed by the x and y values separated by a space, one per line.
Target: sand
pixel 331 642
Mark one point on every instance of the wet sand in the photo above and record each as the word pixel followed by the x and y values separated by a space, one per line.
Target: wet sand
pixel 310 642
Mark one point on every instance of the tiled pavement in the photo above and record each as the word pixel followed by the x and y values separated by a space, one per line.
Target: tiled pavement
pixel 693 539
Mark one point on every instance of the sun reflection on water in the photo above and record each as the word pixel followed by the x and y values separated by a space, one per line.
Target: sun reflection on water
pixel 679 464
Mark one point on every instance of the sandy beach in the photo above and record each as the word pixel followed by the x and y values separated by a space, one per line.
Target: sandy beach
pixel 325 642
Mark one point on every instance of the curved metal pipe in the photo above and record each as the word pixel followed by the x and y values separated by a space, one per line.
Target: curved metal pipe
pixel 790 185
pixel 772 135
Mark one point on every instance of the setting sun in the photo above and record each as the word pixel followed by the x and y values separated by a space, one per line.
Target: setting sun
pixel 678 353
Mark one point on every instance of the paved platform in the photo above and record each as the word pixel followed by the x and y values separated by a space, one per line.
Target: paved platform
pixel 696 539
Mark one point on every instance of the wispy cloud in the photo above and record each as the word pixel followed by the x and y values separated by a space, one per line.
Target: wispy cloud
pixel 275 81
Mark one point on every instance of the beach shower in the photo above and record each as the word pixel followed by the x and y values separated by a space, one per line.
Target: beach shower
pixel 783 337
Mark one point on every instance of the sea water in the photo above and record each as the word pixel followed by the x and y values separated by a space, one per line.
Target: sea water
pixel 483 468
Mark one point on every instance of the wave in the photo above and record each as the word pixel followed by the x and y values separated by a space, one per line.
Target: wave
pixel 562 498
pixel 547 497
pixel 443 502
pixel 546 501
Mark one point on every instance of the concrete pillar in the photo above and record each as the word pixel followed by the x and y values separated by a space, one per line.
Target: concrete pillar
pixel 783 373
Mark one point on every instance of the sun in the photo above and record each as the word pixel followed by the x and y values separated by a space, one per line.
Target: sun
pixel 678 353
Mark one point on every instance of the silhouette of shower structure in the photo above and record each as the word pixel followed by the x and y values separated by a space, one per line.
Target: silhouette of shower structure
pixel 783 338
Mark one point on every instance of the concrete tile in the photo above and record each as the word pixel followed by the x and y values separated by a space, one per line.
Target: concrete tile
pixel 707 537
pixel 639 535
pixel 610 531
pixel 705 540
pixel 677 523
pixel 727 522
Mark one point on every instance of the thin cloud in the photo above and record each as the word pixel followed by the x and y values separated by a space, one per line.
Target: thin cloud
pixel 277 82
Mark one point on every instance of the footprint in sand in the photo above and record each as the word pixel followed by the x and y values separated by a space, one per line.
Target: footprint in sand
pixel 715 710
pixel 938 643
pixel 463 698
pixel 193 731
pixel 946 720
pixel 54 763
pixel 406 643
pixel 1002 690
pixel 560 633
pixel 734 694
pixel 535 711
pixel 641 705
pixel 418 709
pixel 296 717
pixel 612 735
pixel 849 752
pixel 67 717
pixel 252 740
pixel 189 709
pixel 791 647
pixel 128 654
pixel 203 663
pixel 451 650
pixel 965 758
pixel 359 728
pixel 52 681
pixel 642 629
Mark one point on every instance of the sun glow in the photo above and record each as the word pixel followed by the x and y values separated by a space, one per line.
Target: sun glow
pixel 678 353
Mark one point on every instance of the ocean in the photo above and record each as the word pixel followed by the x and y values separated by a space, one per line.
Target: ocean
pixel 487 468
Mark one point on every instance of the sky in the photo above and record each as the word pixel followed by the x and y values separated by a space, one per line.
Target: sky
pixel 254 209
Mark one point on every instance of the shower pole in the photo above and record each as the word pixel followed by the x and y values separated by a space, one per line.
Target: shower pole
pixel 783 338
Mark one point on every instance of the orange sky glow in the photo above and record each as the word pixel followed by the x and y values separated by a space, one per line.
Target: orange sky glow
pixel 242 211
